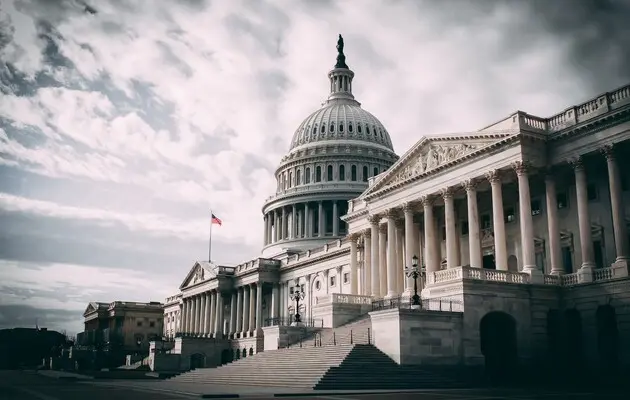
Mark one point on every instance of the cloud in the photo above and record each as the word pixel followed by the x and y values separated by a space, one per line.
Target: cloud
pixel 127 123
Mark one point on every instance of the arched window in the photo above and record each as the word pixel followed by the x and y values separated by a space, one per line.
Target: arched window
pixel 359 128
pixel 367 129
pixel 332 127
pixel 318 174
pixel 284 181
pixel 290 178
pixel 365 173
pixel 353 173
pixel 341 127
pixel 350 127
pixel 307 175
pixel 315 129
pixel 342 172
pixel 298 177
pixel 329 173
pixel 323 128
pixel 375 171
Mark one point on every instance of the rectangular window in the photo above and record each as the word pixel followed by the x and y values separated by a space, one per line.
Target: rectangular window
pixel 346 277
pixel 562 200
pixel 599 253
pixel 139 323
pixel 591 192
pixel 567 260
pixel 536 207
pixel 540 261
pixel 332 281
pixel 509 214
pixel 464 226
pixel 486 221
pixel 152 324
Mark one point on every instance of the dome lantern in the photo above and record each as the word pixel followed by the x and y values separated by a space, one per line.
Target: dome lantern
pixel 341 77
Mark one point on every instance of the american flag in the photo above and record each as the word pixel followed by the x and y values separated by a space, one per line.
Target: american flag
pixel 216 220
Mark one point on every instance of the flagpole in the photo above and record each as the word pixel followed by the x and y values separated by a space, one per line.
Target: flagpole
pixel 210 239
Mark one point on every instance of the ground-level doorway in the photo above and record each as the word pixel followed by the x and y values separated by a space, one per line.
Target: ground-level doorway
pixel 197 360
pixel 488 261
pixel 499 346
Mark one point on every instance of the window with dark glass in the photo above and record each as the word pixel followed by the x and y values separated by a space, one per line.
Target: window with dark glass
pixel 307 175
pixel 591 192
pixel 353 173
pixel 486 221
pixel 536 207
pixel 329 173
pixel 318 174
pixel 464 228
pixel 342 172
pixel 562 200
pixel 510 214
pixel 365 173
pixel 375 171
pixel 298 177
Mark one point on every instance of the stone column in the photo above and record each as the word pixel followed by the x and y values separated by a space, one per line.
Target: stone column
pixel 212 312
pixel 474 231
pixel 259 295
pixel 584 221
pixel 239 311
pixel 335 224
pixel 184 318
pixel 620 228
pixel 367 261
pixel 265 230
pixel 320 216
pixel 218 323
pixel 452 254
pixel 270 228
pixel 193 325
pixel 275 300
pixel 400 257
pixel 382 263
pixel 555 254
pixel 410 249
pixel 283 230
pixel 232 332
pixel 204 314
pixel 294 222
pixel 498 221
pixel 526 223
pixel 353 265
pixel 391 253
pixel 431 258
pixel 374 258
pixel 252 308
pixel 246 295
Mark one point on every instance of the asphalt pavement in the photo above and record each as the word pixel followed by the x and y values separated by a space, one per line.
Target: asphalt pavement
pixel 29 385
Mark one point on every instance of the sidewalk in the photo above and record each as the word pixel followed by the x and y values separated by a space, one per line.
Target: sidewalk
pixel 63 375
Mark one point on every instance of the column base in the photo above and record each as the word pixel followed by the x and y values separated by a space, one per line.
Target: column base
pixel 621 267
pixel 390 295
pixel 557 272
pixel 585 273
pixel 535 275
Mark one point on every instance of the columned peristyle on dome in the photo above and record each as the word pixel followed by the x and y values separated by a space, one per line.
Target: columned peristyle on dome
pixel 333 153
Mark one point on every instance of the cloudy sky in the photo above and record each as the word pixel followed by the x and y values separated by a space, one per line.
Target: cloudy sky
pixel 122 123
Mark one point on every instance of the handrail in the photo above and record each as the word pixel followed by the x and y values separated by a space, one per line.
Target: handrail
pixel 306 322
pixel 405 303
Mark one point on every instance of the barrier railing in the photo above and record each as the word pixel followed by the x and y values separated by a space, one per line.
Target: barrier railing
pixel 438 304
pixel 305 322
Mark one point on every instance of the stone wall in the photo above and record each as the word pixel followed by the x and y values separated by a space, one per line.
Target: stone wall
pixel 419 336
pixel 210 349
pixel 337 314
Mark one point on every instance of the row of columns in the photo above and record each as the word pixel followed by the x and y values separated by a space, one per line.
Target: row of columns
pixel 298 221
pixel 382 266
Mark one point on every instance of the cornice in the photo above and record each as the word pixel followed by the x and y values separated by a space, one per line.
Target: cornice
pixel 596 124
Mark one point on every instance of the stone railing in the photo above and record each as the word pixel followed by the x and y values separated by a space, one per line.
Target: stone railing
pixel 340 298
pixel 466 272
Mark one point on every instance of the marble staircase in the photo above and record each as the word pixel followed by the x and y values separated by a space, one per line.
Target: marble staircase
pixel 340 367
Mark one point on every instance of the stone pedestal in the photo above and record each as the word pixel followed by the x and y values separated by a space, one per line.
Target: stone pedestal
pixel 278 337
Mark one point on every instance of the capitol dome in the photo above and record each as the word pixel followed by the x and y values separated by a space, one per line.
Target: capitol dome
pixel 333 153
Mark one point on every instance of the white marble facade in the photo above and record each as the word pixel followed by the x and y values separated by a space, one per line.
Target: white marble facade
pixel 542 201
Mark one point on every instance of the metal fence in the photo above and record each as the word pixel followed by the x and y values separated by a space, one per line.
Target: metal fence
pixel 305 322
pixel 439 304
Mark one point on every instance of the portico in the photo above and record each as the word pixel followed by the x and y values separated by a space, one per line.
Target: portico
pixel 457 197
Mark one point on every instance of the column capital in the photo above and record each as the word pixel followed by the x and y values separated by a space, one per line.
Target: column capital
pixel 608 151
pixel 447 192
pixel 577 163
pixel 391 213
pixel 382 228
pixel 374 219
pixel 470 185
pixel 493 176
pixel 427 200
pixel 367 233
pixel 399 222
pixel 353 237
pixel 409 207
pixel 521 167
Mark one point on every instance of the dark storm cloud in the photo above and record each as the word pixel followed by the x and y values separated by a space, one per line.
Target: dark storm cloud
pixel 49 240
pixel 23 316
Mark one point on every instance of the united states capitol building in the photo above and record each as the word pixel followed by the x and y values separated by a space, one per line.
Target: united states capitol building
pixel 519 229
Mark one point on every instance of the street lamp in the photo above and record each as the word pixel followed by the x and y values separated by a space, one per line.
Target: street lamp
pixel 296 296
pixel 414 272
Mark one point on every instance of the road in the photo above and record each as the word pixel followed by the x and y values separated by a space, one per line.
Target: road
pixel 28 385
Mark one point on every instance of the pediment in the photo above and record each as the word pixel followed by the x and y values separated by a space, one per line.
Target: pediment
pixel 200 272
pixel 433 153
pixel 92 307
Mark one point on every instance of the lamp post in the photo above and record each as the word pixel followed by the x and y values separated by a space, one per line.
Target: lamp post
pixel 296 296
pixel 414 272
